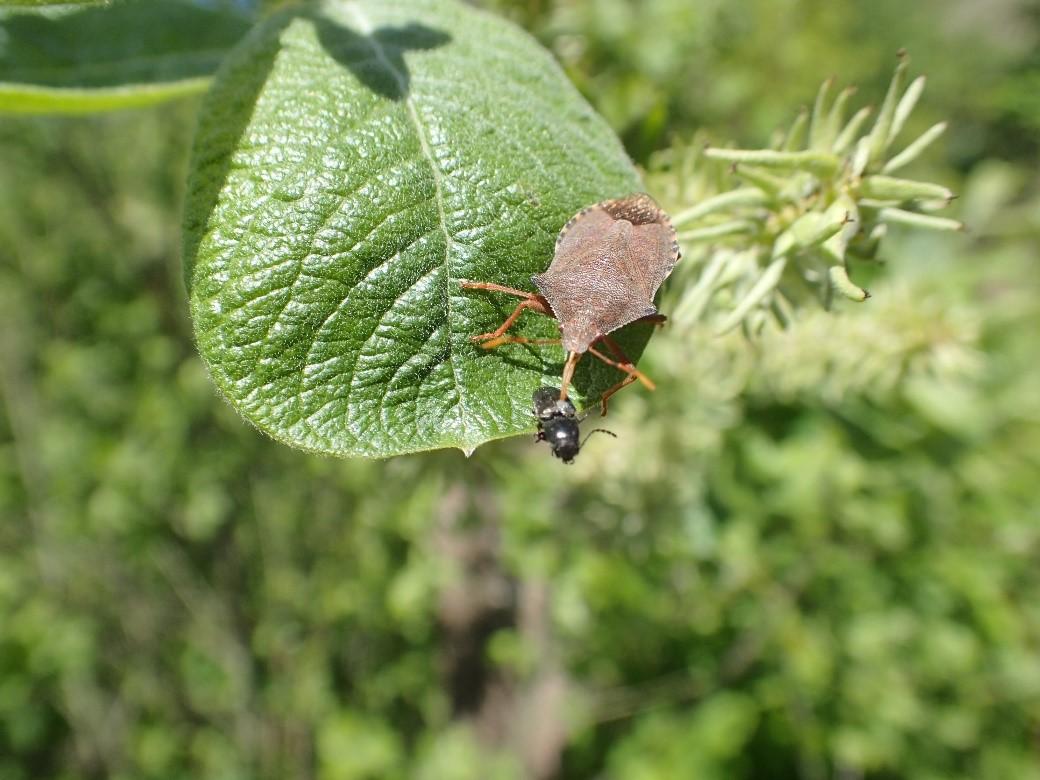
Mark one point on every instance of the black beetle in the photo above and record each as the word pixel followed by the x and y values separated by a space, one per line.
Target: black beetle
pixel 558 423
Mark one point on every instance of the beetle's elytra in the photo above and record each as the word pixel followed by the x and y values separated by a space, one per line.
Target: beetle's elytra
pixel 558 424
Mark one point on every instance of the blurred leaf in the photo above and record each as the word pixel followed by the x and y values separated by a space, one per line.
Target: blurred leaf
pixel 352 747
pixel 95 59
pixel 51 3
pixel 353 163
pixel 801 524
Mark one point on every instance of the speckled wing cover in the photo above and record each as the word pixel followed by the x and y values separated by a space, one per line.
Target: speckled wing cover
pixel 610 260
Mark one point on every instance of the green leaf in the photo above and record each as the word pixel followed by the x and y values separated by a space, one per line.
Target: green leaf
pixel 817 127
pixel 763 286
pixel 746 196
pixel 810 229
pixel 832 125
pixel 51 3
pixel 354 161
pixel 736 227
pixel 821 163
pixel 912 218
pixel 848 133
pixel 914 150
pixel 881 135
pixel 795 137
pixel 96 59
pixel 891 188
pixel 839 277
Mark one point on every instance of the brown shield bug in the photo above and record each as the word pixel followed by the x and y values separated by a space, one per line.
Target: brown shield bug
pixel 609 262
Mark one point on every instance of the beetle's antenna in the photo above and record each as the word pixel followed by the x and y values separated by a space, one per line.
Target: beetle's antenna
pixel 597 430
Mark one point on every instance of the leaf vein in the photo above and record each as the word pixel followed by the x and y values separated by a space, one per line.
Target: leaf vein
pixel 424 141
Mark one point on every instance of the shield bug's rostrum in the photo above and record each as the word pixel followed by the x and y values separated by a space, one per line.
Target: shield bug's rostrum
pixel 559 424
pixel 609 262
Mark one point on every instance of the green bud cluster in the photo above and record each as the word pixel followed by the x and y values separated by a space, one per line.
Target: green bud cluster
pixel 824 193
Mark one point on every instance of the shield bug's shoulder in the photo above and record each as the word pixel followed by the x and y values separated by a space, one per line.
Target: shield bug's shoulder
pixel 610 260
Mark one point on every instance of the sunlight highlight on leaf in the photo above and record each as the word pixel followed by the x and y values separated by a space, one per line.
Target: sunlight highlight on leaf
pixel 354 161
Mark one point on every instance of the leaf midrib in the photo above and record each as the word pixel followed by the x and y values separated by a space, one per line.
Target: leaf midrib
pixel 366 28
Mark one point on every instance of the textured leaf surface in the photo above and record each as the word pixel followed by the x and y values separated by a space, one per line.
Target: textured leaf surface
pixel 128 54
pixel 355 160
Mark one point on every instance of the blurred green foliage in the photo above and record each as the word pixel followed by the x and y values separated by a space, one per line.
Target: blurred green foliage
pixel 813 556
pixel 741 68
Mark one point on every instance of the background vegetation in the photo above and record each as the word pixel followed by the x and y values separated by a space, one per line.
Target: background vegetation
pixel 813 556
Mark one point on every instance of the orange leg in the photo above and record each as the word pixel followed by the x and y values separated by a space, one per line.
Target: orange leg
pixel 627 365
pixel 611 390
pixel 520 309
pixel 500 340
pixel 568 373
pixel 531 301
pixel 622 364
pixel 465 284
